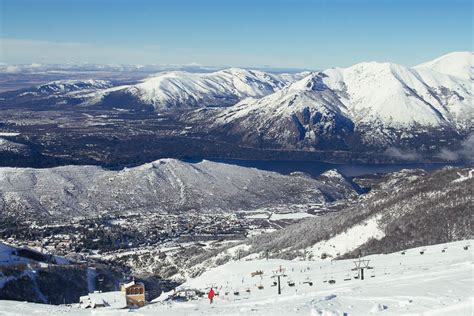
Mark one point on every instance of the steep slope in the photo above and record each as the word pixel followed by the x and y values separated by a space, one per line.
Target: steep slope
pixel 458 64
pixel 164 185
pixel 305 110
pixel 400 97
pixel 370 104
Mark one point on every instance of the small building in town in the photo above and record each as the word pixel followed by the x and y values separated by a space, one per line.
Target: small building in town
pixel 134 293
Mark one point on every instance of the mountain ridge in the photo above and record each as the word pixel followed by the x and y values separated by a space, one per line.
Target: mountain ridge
pixel 167 185
pixel 366 102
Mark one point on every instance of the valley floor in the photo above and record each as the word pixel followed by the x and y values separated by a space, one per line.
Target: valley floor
pixel 433 283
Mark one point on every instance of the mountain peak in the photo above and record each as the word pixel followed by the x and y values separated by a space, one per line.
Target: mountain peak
pixel 458 64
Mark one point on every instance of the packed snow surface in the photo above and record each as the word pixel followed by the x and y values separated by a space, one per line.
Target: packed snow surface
pixel 438 282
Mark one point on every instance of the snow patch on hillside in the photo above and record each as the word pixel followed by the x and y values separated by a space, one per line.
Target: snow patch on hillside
pixel 351 239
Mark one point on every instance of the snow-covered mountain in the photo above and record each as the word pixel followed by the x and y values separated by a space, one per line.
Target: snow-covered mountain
pixel 62 86
pixel 368 107
pixel 168 90
pixel 163 185
pixel 398 96
pixel 181 90
pixel 304 110
pixel 458 64
pixel 376 103
pixel 59 88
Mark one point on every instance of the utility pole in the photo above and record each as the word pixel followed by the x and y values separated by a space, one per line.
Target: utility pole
pixel 279 285
pixel 266 254
pixel 278 274
pixel 360 265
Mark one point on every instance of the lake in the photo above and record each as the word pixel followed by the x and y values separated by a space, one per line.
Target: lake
pixel 315 168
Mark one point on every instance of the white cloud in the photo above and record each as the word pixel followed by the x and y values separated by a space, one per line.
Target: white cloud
pixel 408 155
pixel 466 152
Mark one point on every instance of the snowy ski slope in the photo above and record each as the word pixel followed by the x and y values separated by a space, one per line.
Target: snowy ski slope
pixel 433 283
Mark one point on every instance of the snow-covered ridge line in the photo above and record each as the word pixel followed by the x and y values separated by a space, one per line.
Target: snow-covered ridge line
pixel 181 89
pixel 379 103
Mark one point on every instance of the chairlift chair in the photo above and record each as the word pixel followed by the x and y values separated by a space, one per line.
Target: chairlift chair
pixel 332 281
pixel 308 281
pixel 348 277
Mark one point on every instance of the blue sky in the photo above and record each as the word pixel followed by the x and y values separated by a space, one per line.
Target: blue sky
pixel 291 33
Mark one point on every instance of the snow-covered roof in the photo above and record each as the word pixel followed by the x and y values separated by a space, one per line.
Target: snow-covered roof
pixel 114 299
pixel 131 283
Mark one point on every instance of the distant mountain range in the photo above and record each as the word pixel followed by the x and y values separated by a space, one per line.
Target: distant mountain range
pixel 376 104
pixel 370 106
pixel 177 90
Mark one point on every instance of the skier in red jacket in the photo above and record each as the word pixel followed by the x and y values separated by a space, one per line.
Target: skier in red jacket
pixel 210 295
